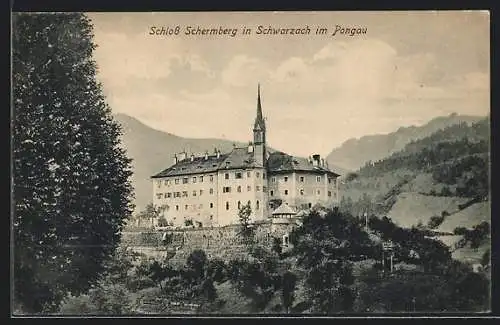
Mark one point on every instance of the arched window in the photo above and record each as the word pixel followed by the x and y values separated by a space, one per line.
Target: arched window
pixel 239 189
pixel 257 205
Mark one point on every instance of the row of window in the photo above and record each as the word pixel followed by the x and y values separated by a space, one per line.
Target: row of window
pixel 239 175
pixel 225 189
pixel 302 178
pixel 211 205
pixel 301 191
pixel 169 195
pixel 200 179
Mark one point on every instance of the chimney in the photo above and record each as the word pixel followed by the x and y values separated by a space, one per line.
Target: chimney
pixel 250 147
pixel 182 156
pixel 316 159
pixel 206 155
pixel 218 153
pixel 175 159
pixel 192 157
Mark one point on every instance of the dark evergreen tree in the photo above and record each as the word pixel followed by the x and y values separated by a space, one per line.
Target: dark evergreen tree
pixel 71 178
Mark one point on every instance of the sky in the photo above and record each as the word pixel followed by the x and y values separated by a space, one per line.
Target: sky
pixel 317 90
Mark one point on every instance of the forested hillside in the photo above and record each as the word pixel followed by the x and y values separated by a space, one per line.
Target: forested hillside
pixel 440 179
pixel 353 153
pixel 454 160
pixel 457 156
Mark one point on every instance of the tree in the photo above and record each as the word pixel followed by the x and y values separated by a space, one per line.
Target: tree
pixel 244 214
pixel 277 247
pixel 71 182
pixel 188 223
pixel 288 288
pixel 325 247
pixel 197 262
pixel 152 213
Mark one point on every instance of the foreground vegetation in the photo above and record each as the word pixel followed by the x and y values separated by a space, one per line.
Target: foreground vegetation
pixel 335 266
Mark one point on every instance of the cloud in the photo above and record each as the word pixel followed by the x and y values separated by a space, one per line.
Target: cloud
pixel 316 94
pixel 243 70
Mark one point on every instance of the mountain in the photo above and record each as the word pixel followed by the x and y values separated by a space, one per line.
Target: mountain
pixel 152 151
pixel 354 153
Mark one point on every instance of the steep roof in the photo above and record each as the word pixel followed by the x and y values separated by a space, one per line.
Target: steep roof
pixel 284 209
pixel 238 158
pixel 198 165
pixel 259 124
pixel 282 162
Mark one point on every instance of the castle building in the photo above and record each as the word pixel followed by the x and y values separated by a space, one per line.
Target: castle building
pixel 211 188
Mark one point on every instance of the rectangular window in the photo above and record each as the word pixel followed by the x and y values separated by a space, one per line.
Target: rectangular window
pixel 273 179
pixel 301 192
pixel 167 182
pixel 248 174
pixel 318 192
pixel 239 189
pixel 185 180
pixel 257 188
pixel 211 178
pixel 201 192
pixel 329 193
pixel 334 182
pixel 169 195
pixel 194 193
pixel 194 179
pixel 271 192
pixel 158 184
pixel 238 175
pixel 226 189
pixel 264 189
pixel 226 176
pixel 264 175
pixel 257 174
pixel 249 188
pixel 186 207
pixel 285 179
pixel 176 181
pixel 177 207
pixel 329 180
pixel 211 191
pixel 159 195
pixel 318 179
pixel 184 193
pixel 211 205
pixel 286 192
pixel 302 179
pixel 201 179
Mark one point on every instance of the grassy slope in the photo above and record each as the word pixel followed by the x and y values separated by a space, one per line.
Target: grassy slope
pixel 469 217
pixel 411 207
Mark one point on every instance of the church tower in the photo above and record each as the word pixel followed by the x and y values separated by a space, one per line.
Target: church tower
pixel 259 134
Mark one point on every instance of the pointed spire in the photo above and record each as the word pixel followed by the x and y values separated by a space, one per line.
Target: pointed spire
pixel 259 120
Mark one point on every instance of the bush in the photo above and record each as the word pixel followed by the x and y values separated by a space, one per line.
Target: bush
pixel 435 221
